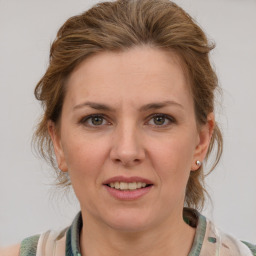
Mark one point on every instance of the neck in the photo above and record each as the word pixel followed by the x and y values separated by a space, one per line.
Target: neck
pixel 172 237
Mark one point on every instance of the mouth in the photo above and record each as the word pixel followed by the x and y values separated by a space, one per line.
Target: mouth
pixel 127 186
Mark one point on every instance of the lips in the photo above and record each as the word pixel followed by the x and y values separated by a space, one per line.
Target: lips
pixel 127 180
pixel 128 188
pixel 127 183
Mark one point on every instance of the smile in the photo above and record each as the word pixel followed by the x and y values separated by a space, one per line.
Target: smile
pixel 127 186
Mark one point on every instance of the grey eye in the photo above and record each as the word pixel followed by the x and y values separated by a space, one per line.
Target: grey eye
pixel 93 120
pixel 159 120
pixel 96 120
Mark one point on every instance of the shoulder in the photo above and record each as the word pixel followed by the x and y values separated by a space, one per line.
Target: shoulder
pixel 226 244
pixel 251 246
pixel 28 246
pixel 10 251
pixel 45 244
pixel 210 240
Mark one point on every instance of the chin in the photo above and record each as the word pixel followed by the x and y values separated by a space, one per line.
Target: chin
pixel 129 227
pixel 129 221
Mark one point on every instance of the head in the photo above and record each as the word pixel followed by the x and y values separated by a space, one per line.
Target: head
pixel 120 28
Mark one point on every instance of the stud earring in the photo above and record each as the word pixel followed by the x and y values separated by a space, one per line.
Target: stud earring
pixel 198 163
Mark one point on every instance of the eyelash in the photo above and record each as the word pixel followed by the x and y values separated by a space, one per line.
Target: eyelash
pixel 85 119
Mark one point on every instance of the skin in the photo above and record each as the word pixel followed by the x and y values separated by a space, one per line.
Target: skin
pixel 10 251
pixel 129 142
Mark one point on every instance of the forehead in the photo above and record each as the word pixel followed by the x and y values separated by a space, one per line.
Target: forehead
pixel 138 74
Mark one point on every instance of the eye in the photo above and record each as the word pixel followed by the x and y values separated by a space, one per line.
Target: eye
pixel 94 120
pixel 161 120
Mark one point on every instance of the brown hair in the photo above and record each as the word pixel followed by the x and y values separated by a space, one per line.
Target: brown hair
pixel 117 26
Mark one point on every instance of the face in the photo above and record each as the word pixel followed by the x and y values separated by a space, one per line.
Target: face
pixel 128 137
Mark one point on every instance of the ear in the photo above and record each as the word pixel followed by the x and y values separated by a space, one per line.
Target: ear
pixel 52 130
pixel 205 135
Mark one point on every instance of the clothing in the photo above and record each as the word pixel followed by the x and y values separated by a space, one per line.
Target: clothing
pixel 208 241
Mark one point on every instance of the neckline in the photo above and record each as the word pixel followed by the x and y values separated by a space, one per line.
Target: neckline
pixel 199 221
pixel 191 216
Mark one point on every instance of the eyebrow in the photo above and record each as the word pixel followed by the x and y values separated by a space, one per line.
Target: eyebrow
pixel 150 106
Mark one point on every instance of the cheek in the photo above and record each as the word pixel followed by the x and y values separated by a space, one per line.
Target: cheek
pixel 84 157
pixel 172 159
pixel 175 151
pixel 172 163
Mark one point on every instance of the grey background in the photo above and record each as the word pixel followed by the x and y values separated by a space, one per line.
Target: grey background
pixel 29 204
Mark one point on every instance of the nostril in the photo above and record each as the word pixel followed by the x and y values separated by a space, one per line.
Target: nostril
pixel 127 162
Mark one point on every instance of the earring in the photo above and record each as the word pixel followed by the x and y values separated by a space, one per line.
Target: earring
pixel 198 163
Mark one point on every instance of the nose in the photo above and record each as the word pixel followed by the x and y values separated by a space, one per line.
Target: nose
pixel 127 148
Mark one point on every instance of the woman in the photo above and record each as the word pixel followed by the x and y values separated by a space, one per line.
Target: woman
pixel 129 114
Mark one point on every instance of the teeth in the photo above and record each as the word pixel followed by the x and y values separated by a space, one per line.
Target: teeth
pixel 132 186
pixel 117 185
pixel 143 185
pixel 123 186
pixel 127 186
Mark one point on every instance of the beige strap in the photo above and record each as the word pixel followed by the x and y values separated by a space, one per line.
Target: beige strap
pixel 52 243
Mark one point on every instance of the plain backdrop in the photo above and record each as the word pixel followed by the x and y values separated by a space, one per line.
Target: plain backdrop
pixel 29 204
